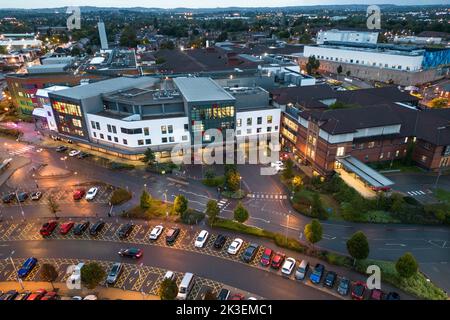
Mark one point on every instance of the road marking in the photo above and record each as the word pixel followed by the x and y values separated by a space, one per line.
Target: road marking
pixel 396 244
pixel 255 218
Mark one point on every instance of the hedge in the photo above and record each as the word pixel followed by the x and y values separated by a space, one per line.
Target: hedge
pixel 10 132
pixel 121 166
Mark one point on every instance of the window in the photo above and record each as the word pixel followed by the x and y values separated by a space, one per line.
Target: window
pixel 184 138
pixel 76 123
pixel 371 144
pixel 381 155
pixel 239 122
pixel 249 121
pixel 67 108
pixel 109 128
pixel 114 129
pixel 170 129
pixel 249 131
pixel 94 134
pixel 423 158
pixel 140 142
pixel 269 119
pixel 148 141
pixel 97 125
pixel 258 130
pixel 125 141
pixel 102 136
pixel 238 132
pixel 186 127
pixel 259 120
pixel 109 138
pixel 397 153
pixel 93 124
pixel 340 151
pixel 116 140
pixel 163 129
pixel 164 140
pixel 146 131
pixel 171 139
pixel 269 129
pixel 276 128
pixel 131 131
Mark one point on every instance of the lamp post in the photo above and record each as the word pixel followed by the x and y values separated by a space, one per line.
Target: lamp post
pixel 287 224
pixel 20 204
pixel 15 269
pixel 64 159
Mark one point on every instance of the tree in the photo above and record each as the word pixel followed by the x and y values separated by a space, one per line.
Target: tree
pixel 149 157
pixel 313 231
pixel 168 290
pixel 128 37
pixel 348 73
pixel 240 213
pixel 406 265
pixel 397 203
pixel 180 204
pixel 339 70
pixel 49 273
pixel 297 183
pixel 312 65
pixel 3 50
pixel 317 209
pixel 212 211
pixel 146 200
pixel 53 206
pixel 233 180
pixel 222 37
pixel 92 274
pixel 358 246
pixel 288 171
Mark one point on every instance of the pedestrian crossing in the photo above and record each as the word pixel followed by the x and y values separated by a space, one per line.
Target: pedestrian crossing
pixel 22 150
pixel 223 204
pixel 267 196
pixel 416 193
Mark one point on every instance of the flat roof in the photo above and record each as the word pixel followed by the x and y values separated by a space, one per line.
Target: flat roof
pixel 201 89
pixel 366 173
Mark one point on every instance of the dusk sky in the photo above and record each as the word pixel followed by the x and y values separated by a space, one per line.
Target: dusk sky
pixel 201 3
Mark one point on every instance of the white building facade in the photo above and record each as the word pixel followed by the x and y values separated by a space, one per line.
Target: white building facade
pixel 335 35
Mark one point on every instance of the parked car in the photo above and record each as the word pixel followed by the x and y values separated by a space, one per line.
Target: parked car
pixel 83 155
pixel 22 196
pixel 392 296
pixel 235 246
pixel 65 227
pixel 92 192
pixel 27 267
pixel 23 295
pixel 74 153
pixel 9 295
pixel 277 260
pixel 134 253
pixel 80 228
pixel 156 232
pixel 316 275
pixel 37 295
pixel 266 257
pixel 302 270
pixel 250 253
pixel 358 290
pixel 330 279
pixel 169 275
pixel 114 273
pixel 172 235
pixel 8 198
pixel 201 239
pixel 223 294
pixel 376 294
pixel 96 228
pixel 220 241
pixel 288 266
pixel 47 228
pixel 79 194
pixel 343 286
pixel 61 149
pixel 36 195
pixel 237 296
pixel 125 230
pixel 52 295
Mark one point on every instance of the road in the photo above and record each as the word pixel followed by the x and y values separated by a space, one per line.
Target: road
pixel 429 244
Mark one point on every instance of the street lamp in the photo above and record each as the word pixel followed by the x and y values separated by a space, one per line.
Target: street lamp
pixel 287 223
pixel 15 269
pixel 64 159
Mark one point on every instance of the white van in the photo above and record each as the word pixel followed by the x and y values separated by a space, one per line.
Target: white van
pixel 186 286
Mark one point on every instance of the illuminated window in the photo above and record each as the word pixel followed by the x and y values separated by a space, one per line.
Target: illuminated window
pixel 77 123
pixel 269 119
pixel 67 108
pixel 340 151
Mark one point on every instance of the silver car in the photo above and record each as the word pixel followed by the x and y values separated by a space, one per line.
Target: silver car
pixel 114 274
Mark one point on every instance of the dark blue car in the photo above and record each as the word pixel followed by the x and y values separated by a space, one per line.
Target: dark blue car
pixel 27 266
pixel 316 275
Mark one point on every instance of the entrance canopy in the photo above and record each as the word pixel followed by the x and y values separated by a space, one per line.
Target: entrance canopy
pixel 365 173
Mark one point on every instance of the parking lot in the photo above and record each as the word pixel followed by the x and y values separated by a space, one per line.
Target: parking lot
pixel 140 236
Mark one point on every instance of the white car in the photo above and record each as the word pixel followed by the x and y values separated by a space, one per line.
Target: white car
pixel 74 153
pixel 201 239
pixel 276 164
pixel 288 266
pixel 92 192
pixel 90 297
pixel 235 246
pixel 169 275
pixel 156 232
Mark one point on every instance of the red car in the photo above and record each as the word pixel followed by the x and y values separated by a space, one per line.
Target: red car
pixel 266 257
pixel 65 227
pixel 48 227
pixel 376 294
pixel 50 296
pixel 237 296
pixel 358 290
pixel 278 260
pixel 79 194
pixel 38 295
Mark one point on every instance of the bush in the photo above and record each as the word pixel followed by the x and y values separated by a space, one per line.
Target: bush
pixel 406 265
pixel 218 181
pixel 120 196
pixel 162 168
pixel 289 243
pixel 10 132
pixel 191 216
pixel 240 227
pixel 120 166
pixel 233 194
